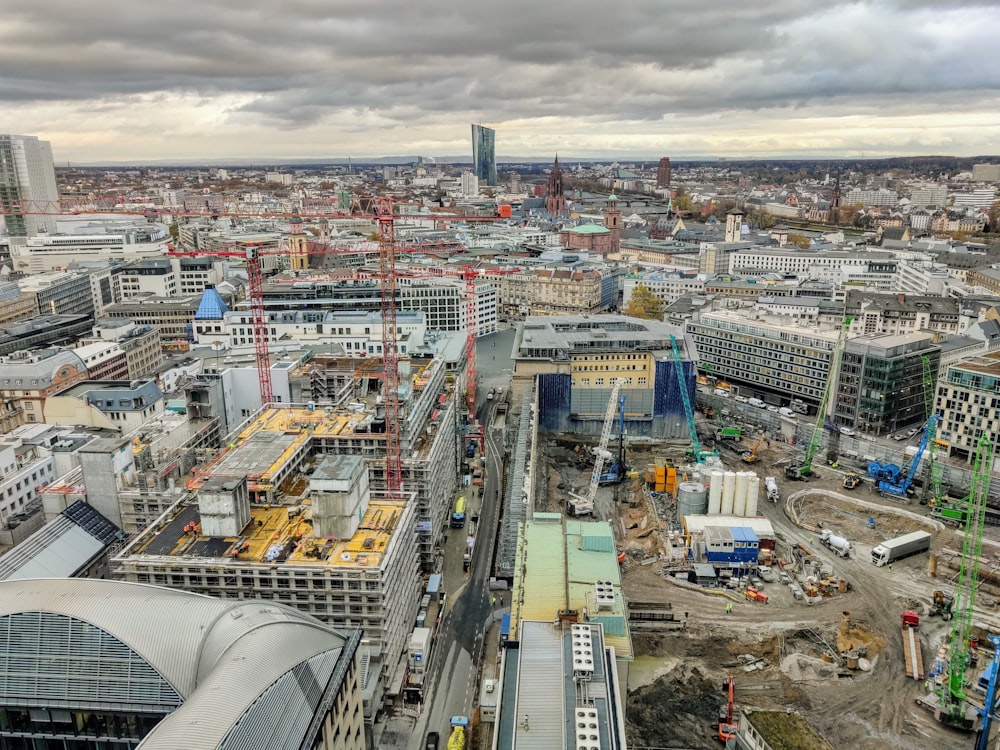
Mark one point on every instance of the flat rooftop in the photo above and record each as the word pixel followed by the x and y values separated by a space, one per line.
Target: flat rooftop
pixel 988 364
pixel 280 533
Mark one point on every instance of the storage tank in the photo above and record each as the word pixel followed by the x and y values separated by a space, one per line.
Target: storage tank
pixel 740 498
pixel 692 499
pixel 753 495
pixel 728 492
pixel 715 494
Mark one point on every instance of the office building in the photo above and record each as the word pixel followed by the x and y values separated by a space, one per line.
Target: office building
pixel 576 360
pixel 969 404
pixel 986 172
pixel 668 287
pixel 27 176
pixel 93 663
pixel 881 386
pixel 484 160
pixel 764 356
pixel 663 173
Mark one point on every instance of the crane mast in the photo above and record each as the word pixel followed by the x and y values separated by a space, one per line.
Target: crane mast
pixel 952 699
pixel 699 454
pixel 823 419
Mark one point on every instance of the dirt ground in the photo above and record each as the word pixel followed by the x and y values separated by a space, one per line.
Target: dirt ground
pixel 785 654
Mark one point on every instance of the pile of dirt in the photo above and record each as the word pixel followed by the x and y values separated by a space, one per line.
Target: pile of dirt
pixel 677 710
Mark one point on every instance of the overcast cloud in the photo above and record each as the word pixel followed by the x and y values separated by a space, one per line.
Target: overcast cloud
pixel 116 80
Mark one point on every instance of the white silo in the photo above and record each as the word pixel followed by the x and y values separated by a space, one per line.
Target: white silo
pixel 728 492
pixel 715 494
pixel 753 493
pixel 740 498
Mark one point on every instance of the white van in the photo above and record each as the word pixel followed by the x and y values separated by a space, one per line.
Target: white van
pixel 756 402
pixel 786 412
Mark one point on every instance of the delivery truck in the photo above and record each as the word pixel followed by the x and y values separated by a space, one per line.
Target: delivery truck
pixel 902 546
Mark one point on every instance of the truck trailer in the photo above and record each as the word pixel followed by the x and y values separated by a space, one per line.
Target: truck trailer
pixel 914 658
pixel 902 546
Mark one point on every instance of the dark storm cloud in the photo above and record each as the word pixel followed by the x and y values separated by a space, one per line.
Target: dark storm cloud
pixel 300 62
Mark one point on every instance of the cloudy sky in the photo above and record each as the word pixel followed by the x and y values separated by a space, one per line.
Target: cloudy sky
pixel 135 80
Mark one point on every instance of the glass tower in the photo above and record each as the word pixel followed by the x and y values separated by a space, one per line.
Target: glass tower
pixel 484 160
pixel 27 173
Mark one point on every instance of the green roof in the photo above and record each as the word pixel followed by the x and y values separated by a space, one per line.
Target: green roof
pixel 590 229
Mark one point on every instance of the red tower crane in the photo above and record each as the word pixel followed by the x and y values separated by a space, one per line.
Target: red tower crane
pixel 379 209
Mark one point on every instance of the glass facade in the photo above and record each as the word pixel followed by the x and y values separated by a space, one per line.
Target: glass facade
pixel 484 161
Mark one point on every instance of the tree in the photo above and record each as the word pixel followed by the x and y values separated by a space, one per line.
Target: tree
pixel 799 239
pixel 644 304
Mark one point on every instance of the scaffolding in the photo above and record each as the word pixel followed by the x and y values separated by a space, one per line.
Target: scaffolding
pixel 516 498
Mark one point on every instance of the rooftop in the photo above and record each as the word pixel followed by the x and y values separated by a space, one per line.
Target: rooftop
pixel 987 364
pixel 279 533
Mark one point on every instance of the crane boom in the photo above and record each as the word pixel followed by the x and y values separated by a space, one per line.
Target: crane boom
pixel 601 451
pixel 953 703
pixel 686 398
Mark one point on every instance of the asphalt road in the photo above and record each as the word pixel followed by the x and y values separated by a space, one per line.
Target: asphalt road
pixel 454 674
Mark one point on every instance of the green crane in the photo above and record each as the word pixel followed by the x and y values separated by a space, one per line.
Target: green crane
pixel 823 417
pixel 952 703
pixel 934 469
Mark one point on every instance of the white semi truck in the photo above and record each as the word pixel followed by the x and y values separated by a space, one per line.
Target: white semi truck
pixel 902 546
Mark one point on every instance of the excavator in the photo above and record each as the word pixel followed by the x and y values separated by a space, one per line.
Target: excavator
pixel 727 727
pixel 750 456
pixel 942 604
pixel 851 480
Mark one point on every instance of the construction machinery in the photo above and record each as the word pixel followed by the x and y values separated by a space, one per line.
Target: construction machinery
pixel 953 707
pixel 989 710
pixel 897 483
pixel 750 456
pixel 584 506
pixel 696 451
pixel 459 727
pixel 942 605
pixel 727 727
pixel 912 654
pixel 824 417
pixel 851 480
pixel 617 470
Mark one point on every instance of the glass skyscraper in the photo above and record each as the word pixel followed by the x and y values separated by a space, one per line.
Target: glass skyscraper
pixel 27 173
pixel 484 160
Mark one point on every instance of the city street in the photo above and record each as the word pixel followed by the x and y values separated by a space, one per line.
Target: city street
pixel 458 652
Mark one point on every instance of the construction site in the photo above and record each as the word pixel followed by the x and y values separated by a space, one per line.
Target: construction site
pixel 827 589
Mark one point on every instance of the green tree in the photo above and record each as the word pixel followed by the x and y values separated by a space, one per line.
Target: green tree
pixel 644 304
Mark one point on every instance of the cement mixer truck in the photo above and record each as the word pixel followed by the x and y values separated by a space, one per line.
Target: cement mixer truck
pixel 772 489
pixel 836 544
pixel 459 727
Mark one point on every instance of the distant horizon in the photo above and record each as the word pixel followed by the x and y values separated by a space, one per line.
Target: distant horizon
pixel 391 160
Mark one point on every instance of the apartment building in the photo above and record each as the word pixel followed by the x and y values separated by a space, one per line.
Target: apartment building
pixel 124 406
pixel 764 357
pixel 325 545
pixel 667 287
pixel 881 385
pixel 28 379
pixel 140 345
pixel 15 305
pixel 23 467
pixel 355 334
pixel 968 400
pixel 988 278
pixel 169 277
pixel 875 313
pixel 557 291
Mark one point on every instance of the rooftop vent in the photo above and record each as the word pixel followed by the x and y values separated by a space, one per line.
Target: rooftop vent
pixel 586 729
pixel 583 652
pixel 604 594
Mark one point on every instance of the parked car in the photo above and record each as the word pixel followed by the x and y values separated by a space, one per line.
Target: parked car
pixel 847 431
pixel 899 436
pixel 772 408
pixel 912 431
pixel 432 741
pixel 740 399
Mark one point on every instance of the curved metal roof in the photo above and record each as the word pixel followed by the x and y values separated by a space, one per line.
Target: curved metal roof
pixel 220 656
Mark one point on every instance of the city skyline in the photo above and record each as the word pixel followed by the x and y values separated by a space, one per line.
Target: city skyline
pixel 791 79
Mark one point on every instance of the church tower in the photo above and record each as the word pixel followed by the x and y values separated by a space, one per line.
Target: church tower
pixel 298 248
pixel 613 221
pixel 835 202
pixel 555 201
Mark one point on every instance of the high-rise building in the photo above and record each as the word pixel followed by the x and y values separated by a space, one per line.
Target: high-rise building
pixel 27 173
pixel 484 158
pixel 663 173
